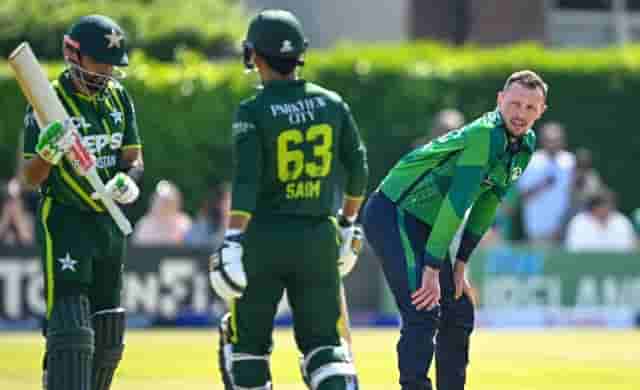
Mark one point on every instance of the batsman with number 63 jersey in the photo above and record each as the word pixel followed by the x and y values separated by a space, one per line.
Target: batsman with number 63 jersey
pixel 411 220
pixel 291 141
pixel 82 248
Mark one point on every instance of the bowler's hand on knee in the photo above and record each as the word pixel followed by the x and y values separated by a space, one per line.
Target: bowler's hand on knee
pixel 428 295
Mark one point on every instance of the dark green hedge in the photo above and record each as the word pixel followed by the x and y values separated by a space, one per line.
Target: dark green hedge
pixel 159 27
pixel 185 110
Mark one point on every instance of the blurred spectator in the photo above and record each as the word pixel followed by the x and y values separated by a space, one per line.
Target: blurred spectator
pixel 444 121
pixel 601 227
pixel 545 187
pixel 16 224
pixel 208 228
pixel 586 181
pixel 165 223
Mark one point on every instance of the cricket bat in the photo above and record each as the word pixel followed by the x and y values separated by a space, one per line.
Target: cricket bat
pixel 344 326
pixel 47 108
pixel 344 329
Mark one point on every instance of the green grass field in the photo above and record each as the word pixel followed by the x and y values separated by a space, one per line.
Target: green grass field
pixel 513 360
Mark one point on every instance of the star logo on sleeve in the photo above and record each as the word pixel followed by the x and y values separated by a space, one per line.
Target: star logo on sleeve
pixel 114 39
pixel 68 263
pixel 116 116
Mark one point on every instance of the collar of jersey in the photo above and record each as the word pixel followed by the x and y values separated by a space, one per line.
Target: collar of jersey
pixel 283 83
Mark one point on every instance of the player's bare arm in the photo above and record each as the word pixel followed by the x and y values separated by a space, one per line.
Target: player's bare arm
pixel 351 207
pixel 132 158
pixel 239 221
pixel 34 171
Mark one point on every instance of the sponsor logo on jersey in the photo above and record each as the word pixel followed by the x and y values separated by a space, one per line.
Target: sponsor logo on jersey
pixel 97 142
pixel 308 104
pixel 79 122
pixel 299 111
pixel 107 161
pixel 490 180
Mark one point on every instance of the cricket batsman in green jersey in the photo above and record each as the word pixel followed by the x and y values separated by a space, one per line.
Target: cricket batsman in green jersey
pixel 411 220
pixel 82 248
pixel 292 139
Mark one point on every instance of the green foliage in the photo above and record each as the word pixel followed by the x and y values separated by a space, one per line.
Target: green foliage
pixel 159 27
pixel 185 110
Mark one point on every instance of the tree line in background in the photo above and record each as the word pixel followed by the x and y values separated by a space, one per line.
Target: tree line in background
pixel 185 109
pixel 158 27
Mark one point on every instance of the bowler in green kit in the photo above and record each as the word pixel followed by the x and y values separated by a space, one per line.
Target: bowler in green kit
pixel 411 220
pixel 292 140
pixel 82 248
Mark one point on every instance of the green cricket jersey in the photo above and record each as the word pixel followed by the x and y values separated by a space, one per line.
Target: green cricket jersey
pixel 472 167
pixel 292 140
pixel 107 123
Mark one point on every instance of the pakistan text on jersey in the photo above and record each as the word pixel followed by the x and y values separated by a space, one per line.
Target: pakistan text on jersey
pixel 306 189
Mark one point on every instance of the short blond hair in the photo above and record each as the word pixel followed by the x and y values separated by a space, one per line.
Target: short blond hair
pixel 529 79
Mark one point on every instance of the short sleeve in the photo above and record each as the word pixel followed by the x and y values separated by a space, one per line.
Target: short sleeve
pixel 353 155
pixel 248 162
pixel 131 138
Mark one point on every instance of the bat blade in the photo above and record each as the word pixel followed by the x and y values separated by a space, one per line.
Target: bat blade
pixel 344 325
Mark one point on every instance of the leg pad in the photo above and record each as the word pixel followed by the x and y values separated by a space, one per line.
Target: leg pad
pixel 70 345
pixel 109 326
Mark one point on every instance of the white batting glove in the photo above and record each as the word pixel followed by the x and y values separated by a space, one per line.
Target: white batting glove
pixel 350 244
pixel 226 272
pixel 120 188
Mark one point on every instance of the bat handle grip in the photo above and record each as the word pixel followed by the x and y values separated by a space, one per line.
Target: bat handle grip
pixel 81 155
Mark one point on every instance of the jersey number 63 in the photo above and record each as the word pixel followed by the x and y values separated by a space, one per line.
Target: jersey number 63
pixel 291 160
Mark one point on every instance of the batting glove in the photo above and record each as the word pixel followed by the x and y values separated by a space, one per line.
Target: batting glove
pixel 350 244
pixel 226 272
pixel 54 142
pixel 120 188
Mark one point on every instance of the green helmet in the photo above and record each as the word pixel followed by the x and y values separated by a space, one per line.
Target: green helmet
pixel 275 33
pixel 98 37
